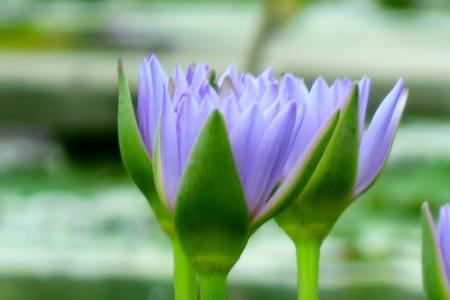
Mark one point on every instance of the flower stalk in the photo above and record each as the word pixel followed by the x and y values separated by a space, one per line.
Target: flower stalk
pixel 213 286
pixel 185 279
pixel 308 253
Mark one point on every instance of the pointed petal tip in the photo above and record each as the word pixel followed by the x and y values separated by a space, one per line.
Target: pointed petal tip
pixel 400 86
pixel 320 80
pixel 152 58
pixel 444 209
pixel 364 83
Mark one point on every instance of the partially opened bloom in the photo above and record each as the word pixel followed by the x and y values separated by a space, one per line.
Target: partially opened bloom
pixel 436 253
pixel 356 155
pixel 350 164
pixel 219 151
pixel 374 142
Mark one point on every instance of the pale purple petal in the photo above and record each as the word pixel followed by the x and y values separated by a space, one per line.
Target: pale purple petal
pixel 321 100
pixel 376 143
pixel 265 165
pixel 188 113
pixel 169 152
pixel 295 152
pixel 190 74
pixel 340 92
pixel 151 94
pixel 250 95
pixel 231 75
pixel 295 169
pixel 291 88
pixel 306 132
pixel 271 112
pixel 181 84
pixel 200 76
pixel 245 138
pixel 270 94
pixel 230 109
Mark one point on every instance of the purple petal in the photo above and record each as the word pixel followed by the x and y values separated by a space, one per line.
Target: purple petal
pixel 340 92
pixel 229 109
pixel 151 95
pixel 295 170
pixel 265 165
pixel 189 122
pixel 292 88
pixel 233 77
pixel 249 96
pixel 266 79
pixel 377 142
pixel 200 76
pixel 308 129
pixel 245 138
pixel 169 152
pixel 444 236
pixel 181 84
pixel 190 74
pixel 271 112
pixel 321 100
pixel 295 153
pixel 269 96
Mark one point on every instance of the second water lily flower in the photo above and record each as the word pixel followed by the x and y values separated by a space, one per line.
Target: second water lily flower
pixel 436 253
pixel 350 164
pixel 219 151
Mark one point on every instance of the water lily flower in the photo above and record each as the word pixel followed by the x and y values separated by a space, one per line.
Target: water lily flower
pixel 350 164
pixel 218 151
pixel 436 253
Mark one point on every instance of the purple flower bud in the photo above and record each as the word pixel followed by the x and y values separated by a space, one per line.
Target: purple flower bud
pixel 375 141
pixel 436 253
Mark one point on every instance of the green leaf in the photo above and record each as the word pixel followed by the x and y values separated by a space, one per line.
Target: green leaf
pixel 300 176
pixel 211 217
pixel 329 191
pixel 134 154
pixel 434 278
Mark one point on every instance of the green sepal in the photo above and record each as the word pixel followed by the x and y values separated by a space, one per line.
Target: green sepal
pixel 296 182
pixel 211 217
pixel 329 191
pixel 434 278
pixel 135 157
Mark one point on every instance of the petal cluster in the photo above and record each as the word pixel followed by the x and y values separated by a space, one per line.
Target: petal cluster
pixel 270 123
pixel 375 141
pixel 263 118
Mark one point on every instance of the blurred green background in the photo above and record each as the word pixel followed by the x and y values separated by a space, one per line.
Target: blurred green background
pixel 73 226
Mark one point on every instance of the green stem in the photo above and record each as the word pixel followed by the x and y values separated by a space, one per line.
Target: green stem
pixel 184 275
pixel 213 287
pixel 308 252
